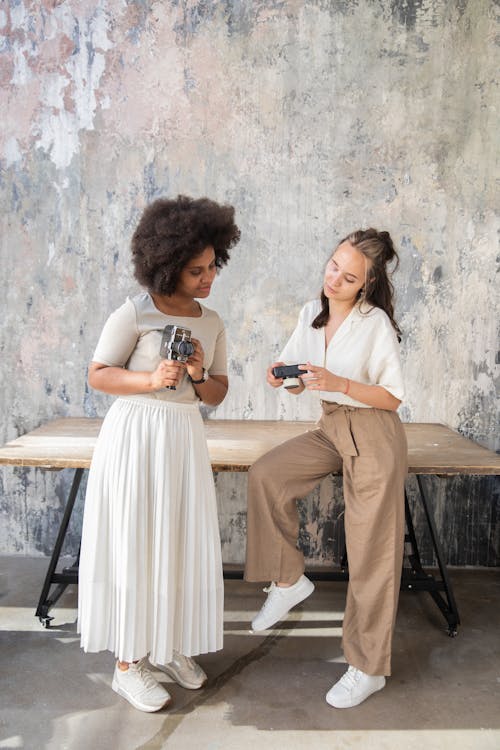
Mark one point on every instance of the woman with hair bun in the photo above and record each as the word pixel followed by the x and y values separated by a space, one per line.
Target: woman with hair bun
pixel 150 575
pixel 348 340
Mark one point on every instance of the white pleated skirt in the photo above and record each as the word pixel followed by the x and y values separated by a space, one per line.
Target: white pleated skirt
pixel 150 574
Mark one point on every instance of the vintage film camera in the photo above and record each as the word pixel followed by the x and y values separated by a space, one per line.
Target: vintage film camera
pixel 290 375
pixel 176 344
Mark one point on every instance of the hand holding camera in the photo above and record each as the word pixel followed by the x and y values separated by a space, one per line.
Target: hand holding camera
pixel 168 374
pixel 286 375
pixel 176 349
pixel 320 379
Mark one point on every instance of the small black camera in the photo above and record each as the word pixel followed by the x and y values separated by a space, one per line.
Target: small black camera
pixel 289 373
pixel 176 344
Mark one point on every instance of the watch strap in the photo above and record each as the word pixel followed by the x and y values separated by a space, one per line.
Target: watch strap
pixel 203 378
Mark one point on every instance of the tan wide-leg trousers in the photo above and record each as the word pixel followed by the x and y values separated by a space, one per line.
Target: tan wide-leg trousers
pixel 369 446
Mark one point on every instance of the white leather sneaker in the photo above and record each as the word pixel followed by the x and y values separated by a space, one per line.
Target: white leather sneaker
pixel 140 688
pixel 185 671
pixel 280 601
pixel 353 688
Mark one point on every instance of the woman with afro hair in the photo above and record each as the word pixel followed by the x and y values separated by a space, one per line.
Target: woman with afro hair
pixel 150 576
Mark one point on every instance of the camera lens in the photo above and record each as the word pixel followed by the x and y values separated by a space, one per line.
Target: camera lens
pixel 185 348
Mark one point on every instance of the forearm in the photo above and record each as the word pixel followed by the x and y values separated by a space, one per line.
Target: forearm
pixel 120 382
pixel 213 391
pixel 372 395
pixel 321 379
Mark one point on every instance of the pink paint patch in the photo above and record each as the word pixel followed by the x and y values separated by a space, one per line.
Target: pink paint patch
pixel 52 54
pixel 6 70
pixel 51 4
pixel 69 97
pixel 69 283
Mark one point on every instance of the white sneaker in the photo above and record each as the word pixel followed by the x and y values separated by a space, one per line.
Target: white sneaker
pixel 279 602
pixel 185 671
pixel 353 688
pixel 139 687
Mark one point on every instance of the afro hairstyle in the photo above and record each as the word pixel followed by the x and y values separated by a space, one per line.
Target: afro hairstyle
pixel 173 231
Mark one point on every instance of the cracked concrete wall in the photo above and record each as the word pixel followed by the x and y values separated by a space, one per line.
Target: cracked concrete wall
pixel 313 118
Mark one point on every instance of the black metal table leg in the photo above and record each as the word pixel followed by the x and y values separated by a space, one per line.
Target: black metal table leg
pixel 451 611
pixel 69 575
pixel 417 579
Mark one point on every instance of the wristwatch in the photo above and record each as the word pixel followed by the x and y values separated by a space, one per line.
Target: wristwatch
pixel 203 378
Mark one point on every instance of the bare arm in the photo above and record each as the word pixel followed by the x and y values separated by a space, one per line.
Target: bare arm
pixel 320 379
pixel 213 391
pixel 120 382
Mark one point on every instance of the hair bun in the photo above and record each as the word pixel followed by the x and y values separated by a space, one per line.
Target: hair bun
pixel 389 251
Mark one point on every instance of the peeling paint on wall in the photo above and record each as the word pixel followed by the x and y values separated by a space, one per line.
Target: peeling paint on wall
pixel 312 118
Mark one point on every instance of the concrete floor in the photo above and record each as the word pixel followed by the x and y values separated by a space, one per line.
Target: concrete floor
pixel 264 691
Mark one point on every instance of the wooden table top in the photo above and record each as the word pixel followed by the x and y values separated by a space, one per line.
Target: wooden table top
pixel 234 445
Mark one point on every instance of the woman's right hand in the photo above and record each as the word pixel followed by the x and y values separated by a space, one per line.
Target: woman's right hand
pixel 274 382
pixel 168 372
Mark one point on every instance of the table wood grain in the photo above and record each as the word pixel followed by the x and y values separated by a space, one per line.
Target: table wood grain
pixel 234 445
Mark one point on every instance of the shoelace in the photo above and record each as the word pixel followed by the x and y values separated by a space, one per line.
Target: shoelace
pixel 191 664
pixel 351 677
pixel 269 590
pixel 145 675
pixel 178 659
pixel 184 662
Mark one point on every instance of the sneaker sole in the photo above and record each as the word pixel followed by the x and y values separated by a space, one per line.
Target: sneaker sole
pixel 174 675
pixel 136 704
pixel 294 603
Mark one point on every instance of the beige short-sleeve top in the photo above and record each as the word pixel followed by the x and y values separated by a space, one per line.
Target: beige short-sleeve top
pixel 132 335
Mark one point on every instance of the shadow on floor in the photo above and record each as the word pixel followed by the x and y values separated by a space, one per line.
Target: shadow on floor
pixel 263 689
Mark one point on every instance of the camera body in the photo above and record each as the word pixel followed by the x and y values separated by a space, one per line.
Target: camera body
pixel 176 344
pixel 289 373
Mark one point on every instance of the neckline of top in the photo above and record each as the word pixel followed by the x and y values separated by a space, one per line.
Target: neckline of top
pixel 182 317
pixel 345 323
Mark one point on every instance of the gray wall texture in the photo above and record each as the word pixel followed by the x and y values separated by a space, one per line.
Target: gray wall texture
pixel 313 118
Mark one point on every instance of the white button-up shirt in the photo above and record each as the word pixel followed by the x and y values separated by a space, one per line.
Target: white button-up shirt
pixel 364 348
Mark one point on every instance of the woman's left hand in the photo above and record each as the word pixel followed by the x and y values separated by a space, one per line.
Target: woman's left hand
pixel 194 364
pixel 320 379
